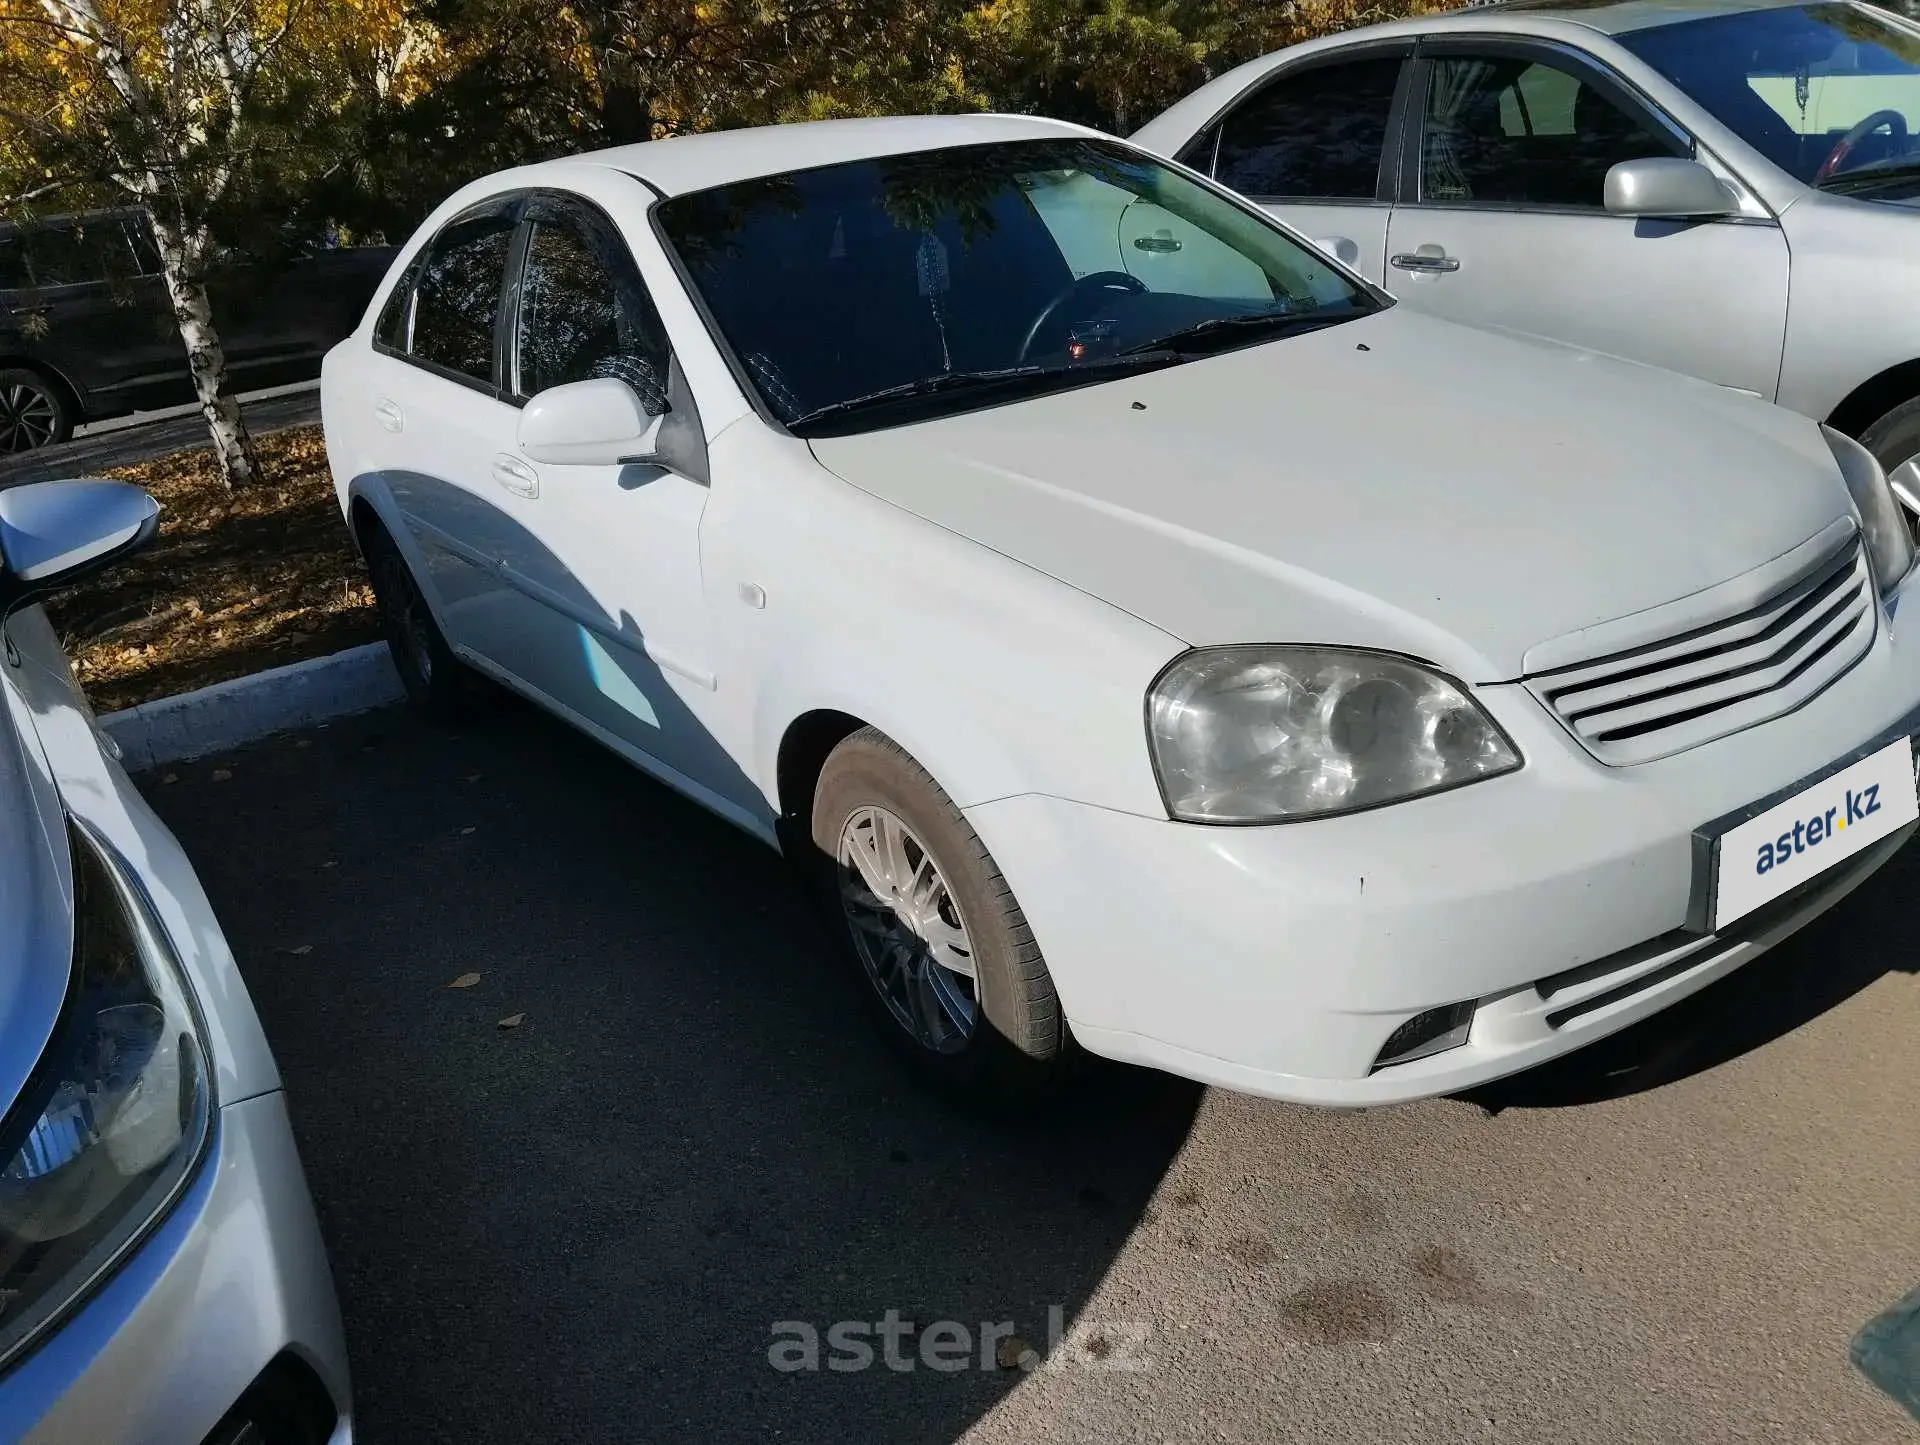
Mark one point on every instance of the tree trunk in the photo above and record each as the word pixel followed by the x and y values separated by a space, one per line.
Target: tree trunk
pixel 183 258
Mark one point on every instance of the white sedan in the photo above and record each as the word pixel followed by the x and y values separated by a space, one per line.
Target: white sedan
pixel 1146 634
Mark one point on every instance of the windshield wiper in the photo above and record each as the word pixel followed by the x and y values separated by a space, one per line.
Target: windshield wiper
pixel 1229 328
pixel 1868 177
pixel 999 376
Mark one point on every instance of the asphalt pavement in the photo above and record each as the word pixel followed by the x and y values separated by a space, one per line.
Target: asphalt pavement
pixel 125 440
pixel 597 1223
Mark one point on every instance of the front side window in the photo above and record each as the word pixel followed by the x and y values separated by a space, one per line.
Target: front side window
pixel 1829 93
pixel 878 291
pixel 1502 130
pixel 82 252
pixel 1316 135
pixel 13 264
pixel 584 311
pixel 456 296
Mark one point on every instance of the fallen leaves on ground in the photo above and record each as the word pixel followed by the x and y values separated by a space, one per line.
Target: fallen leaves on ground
pixel 511 1021
pixel 235 582
pixel 299 950
pixel 466 980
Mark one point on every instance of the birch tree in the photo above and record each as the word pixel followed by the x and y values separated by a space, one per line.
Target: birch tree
pixel 176 106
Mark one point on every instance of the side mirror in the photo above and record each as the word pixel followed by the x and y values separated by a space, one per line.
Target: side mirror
pixel 601 422
pixel 54 533
pixel 1668 188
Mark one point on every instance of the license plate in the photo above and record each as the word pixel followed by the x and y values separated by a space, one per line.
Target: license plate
pixel 1823 824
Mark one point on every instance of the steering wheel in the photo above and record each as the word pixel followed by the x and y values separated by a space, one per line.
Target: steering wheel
pixel 1075 290
pixel 1893 120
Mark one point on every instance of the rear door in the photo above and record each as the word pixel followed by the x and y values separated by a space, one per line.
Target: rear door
pixel 1501 219
pixel 1315 145
pixel 434 407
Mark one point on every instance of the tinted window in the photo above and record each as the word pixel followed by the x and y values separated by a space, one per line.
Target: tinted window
pixel 395 326
pixel 1320 133
pixel 1510 131
pixel 140 240
pixel 458 295
pixel 833 284
pixel 584 311
pixel 75 253
pixel 13 263
pixel 1801 86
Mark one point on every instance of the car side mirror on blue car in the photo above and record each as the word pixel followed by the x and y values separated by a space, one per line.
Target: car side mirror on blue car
pixel 54 533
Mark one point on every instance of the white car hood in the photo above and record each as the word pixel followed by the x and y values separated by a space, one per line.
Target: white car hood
pixel 1397 482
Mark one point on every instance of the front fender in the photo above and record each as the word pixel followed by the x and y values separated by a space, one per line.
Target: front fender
pixel 999 679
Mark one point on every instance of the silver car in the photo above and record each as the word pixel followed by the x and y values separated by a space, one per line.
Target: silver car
pixel 1721 187
pixel 161 1271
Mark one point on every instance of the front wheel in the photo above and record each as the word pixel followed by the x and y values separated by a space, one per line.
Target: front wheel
pixel 1895 441
pixel 34 412
pixel 953 973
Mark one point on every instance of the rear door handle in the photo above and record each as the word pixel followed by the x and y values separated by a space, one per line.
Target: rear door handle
pixel 1426 258
pixel 389 415
pixel 30 311
pixel 516 476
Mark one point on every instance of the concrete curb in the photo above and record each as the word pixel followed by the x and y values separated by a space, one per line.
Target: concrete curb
pixel 228 714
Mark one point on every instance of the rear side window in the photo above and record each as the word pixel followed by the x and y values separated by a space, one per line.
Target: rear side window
pixel 456 295
pixel 1317 135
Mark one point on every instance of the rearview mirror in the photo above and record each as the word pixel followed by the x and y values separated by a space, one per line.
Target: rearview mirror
pixel 1665 187
pixel 54 533
pixel 601 422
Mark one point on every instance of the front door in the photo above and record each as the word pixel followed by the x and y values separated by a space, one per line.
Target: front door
pixel 612 555
pixel 97 312
pixel 1502 222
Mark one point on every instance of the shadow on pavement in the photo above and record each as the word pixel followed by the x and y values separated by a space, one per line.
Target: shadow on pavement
pixel 586 1227
pixel 1868 934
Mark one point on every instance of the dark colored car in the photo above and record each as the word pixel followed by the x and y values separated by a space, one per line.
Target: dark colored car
pixel 87 331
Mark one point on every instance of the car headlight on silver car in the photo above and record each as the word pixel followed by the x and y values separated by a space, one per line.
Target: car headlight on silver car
pixel 115 1117
pixel 1883 523
pixel 1270 734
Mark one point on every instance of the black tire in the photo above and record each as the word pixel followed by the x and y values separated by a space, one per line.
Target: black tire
pixel 35 411
pixel 438 684
pixel 1895 438
pixel 1019 1047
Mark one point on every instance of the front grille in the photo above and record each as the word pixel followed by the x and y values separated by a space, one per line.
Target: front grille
pixel 1650 701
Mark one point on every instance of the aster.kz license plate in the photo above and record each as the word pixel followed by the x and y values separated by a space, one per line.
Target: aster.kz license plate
pixel 1823 824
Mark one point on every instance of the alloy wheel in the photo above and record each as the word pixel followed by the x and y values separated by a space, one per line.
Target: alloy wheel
pixel 28 417
pixel 1905 480
pixel 907 929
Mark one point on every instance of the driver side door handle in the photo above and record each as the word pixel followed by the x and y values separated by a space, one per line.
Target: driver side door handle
pixel 516 476
pixel 1428 259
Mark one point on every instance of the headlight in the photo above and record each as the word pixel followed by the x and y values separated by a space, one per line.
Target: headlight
pixel 1273 734
pixel 1882 522
pixel 115 1117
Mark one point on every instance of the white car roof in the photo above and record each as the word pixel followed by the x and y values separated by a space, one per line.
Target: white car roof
pixel 1609 17
pixel 716 158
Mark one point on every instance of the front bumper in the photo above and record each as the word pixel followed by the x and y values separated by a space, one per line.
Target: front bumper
pixel 231 1288
pixel 1279 960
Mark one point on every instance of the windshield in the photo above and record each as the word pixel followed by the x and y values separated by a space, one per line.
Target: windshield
pixel 880 291
pixel 1830 93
